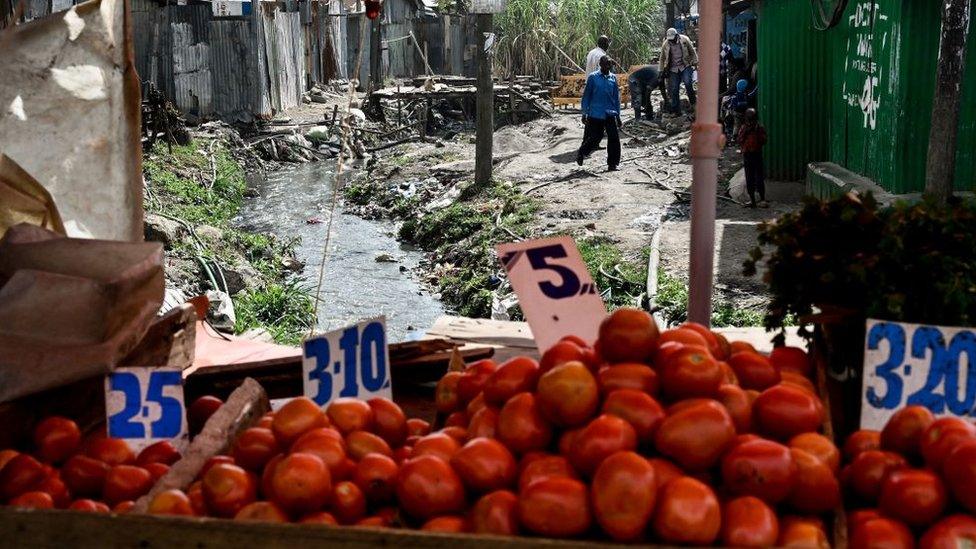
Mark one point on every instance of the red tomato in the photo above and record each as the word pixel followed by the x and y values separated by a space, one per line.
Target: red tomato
pixel 556 507
pixel 544 466
pixel 445 394
pixel 376 475
pixel 297 417
pixel 754 371
pixel 7 455
pixel 820 447
pixel 55 487
pixel 861 515
pixel 476 404
pixel 327 444
pixel 816 489
pixel 496 513
pixel 568 394
pixel 254 448
pixel 684 336
pixel 666 350
pixel 637 408
pixel 760 468
pixel 711 339
pixel 802 533
pixel 639 377
pixel 125 482
pixel 697 436
pixel 428 487
pixel 916 497
pixel 373 522
pixel 748 522
pixel 33 500
pixel 200 411
pixel 521 426
pixel 514 376
pixel 227 488
pixel 161 452
pixel 728 374
pixel 417 427
pixel 21 474
pixel 89 506
pixel 959 470
pixel 627 335
pixel 690 373
pixel 56 438
pixel 941 437
pixel 389 421
pixel 195 493
pixel 441 445
pixel 301 483
pixel 350 414
pixel 262 511
pixel 796 380
pixel 664 471
pixel 457 419
pixel 484 423
pixel 360 443
pixel 319 518
pixel 473 380
pixel 725 348
pixel 687 513
pixel 171 502
pixel 484 465
pixel 447 524
pixel 623 494
pixel 951 532
pixel 112 451
pixel 783 411
pixel 123 507
pixel 793 359
pixel 348 502
pixel 903 432
pixel 869 468
pixel 562 352
pixel 740 346
pixel 601 438
pixel 882 533
pixel 266 421
pixel 738 405
pixel 860 441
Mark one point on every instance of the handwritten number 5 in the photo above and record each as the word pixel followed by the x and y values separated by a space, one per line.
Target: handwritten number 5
pixel 570 283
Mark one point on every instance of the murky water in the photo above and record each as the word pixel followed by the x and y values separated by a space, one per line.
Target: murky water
pixel 355 286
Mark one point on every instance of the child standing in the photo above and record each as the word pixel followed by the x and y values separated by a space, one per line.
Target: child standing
pixel 751 137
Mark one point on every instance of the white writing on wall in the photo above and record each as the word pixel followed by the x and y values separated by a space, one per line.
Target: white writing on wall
pixel 863 74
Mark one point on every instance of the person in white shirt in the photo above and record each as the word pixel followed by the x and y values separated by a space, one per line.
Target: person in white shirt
pixel 593 58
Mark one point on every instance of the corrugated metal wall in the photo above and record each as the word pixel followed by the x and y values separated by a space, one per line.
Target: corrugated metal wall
pixel 234 68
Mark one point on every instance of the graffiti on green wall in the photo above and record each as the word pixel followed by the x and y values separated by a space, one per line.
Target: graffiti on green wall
pixel 863 74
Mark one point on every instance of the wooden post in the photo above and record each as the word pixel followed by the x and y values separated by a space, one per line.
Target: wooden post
pixel 941 167
pixel 375 54
pixel 485 105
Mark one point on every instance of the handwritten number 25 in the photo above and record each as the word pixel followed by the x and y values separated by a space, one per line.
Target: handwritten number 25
pixel 170 420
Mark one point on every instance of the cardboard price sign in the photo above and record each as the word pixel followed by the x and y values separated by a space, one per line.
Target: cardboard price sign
pixel 145 405
pixel 917 364
pixel 555 290
pixel 351 362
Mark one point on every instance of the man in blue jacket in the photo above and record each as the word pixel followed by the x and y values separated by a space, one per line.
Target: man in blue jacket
pixel 601 113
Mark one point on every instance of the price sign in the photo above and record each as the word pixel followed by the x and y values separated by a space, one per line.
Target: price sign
pixel 352 362
pixel 145 405
pixel 555 290
pixel 916 364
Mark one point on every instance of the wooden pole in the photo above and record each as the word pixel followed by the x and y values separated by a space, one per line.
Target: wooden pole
pixel 485 105
pixel 376 54
pixel 941 167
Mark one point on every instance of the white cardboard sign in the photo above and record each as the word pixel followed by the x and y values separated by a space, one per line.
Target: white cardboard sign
pixel 145 405
pixel 351 362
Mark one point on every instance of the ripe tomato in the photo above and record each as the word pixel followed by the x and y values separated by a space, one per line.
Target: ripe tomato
pixel 484 423
pixel 447 524
pixel 793 359
pixel 690 373
pixel 696 436
pixel 738 405
pixel 171 502
pixel 326 443
pixel 473 380
pixel 389 421
pixel 350 414
pixel 319 518
pixel 860 441
pixel 557 507
pixel 748 522
pixel 959 470
pixel 200 411
pixel 88 505
pixel 123 507
pixel 544 466
pixel 816 489
pixel 373 522
pixel 760 468
pixel 56 438
pixel 125 482
pixel 254 447
pixel 263 511
pixel 521 426
pixel 602 437
pixel 459 434
pixel 112 451
pixel 195 493
pixel 754 371
pixel 297 417
pixel 161 452
pixel 360 443
pixel 301 483
pixel 637 408
pixel 514 376
pixel 438 444
pixel 950 533
pixel 664 471
pixel 33 500
pixel 7 455
pixel 496 513
pixel 484 465
pixel 562 352
pixel 784 411
pixel 740 346
pixel 445 394
pixel 55 487
pixel 711 339
pixel 348 502
pixel 683 336
pixel 627 335
pixel 457 419
pixel 21 474
pixel 916 497
pixel 796 380
pixel 628 375
pixel 882 532
pixel 869 468
pixel 227 488
pixel 623 493
pixel 802 532
pixel 861 515
pixel 941 437
pixel 376 475
pixel 903 432
pixel 687 513
pixel 476 404
pixel 568 394
pixel 428 487
pixel 819 447
pixel 417 427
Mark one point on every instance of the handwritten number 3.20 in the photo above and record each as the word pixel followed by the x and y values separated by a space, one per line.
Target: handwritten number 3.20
pixel 170 420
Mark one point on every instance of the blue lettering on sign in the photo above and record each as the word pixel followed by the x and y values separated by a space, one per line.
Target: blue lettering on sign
pixel 894 334
pixel 124 425
pixel 363 362
pixel 928 340
pixel 319 350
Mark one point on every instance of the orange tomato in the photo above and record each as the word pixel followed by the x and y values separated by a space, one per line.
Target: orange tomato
pixel 860 441
pixel 568 394
pixel 738 405
pixel 161 452
pixel 514 376
pixel 112 451
pixel 687 513
pixel 748 522
pixel 802 533
pixel 696 436
pixel 484 423
pixel 214 460
pixel 156 470
pixel 297 417
pixel 33 500
pixel 496 513
pixel 195 493
pixel 441 445
pixel 254 447
pixel 941 437
pixel 484 465
pixel 623 493
pixel 683 336
pixel 816 489
pixel 56 438
pixel 784 411
pixel 521 426
pixel 690 372
pixel 360 443
pixel 950 533
pixel 6 455
pixel 602 437
pixel 458 433
pixel 319 518
pixel 882 532
pixel 301 484
pixel 760 468
pixel 792 378
pixel 562 352
pixel 820 447
pixel 473 379
pixel 348 502
pixel 171 502
pixel 417 427
pixel 740 346
pixel 350 414
pixel 376 475
pixel 125 482
pixel 89 506
pixel 428 487
pixel 628 375
pixel 793 359
pixel 627 335
pixel 227 488
pixel 123 507
pixel 389 421
pixel 263 511
pixel 327 444
pixel 903 432
pixel 447 524
pixel 556 507
pixel 445 394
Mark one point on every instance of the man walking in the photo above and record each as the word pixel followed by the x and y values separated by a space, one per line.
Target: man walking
pixel 642 82
pixel 593 57
pixel 678 61
pixel 601 113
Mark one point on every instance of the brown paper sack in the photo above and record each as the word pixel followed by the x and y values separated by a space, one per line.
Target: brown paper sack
pixel 24 200
pixel 71 308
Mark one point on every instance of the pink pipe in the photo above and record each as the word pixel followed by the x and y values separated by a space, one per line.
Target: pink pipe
pixel 707 141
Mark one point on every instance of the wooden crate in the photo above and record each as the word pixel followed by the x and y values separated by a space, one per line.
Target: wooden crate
pixel 570 90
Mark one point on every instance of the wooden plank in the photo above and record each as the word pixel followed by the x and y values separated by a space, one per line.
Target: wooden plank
pixel 508 339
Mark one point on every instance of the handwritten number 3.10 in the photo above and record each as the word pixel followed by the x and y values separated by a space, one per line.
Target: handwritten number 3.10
pixel 372 362
pixel 170 420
